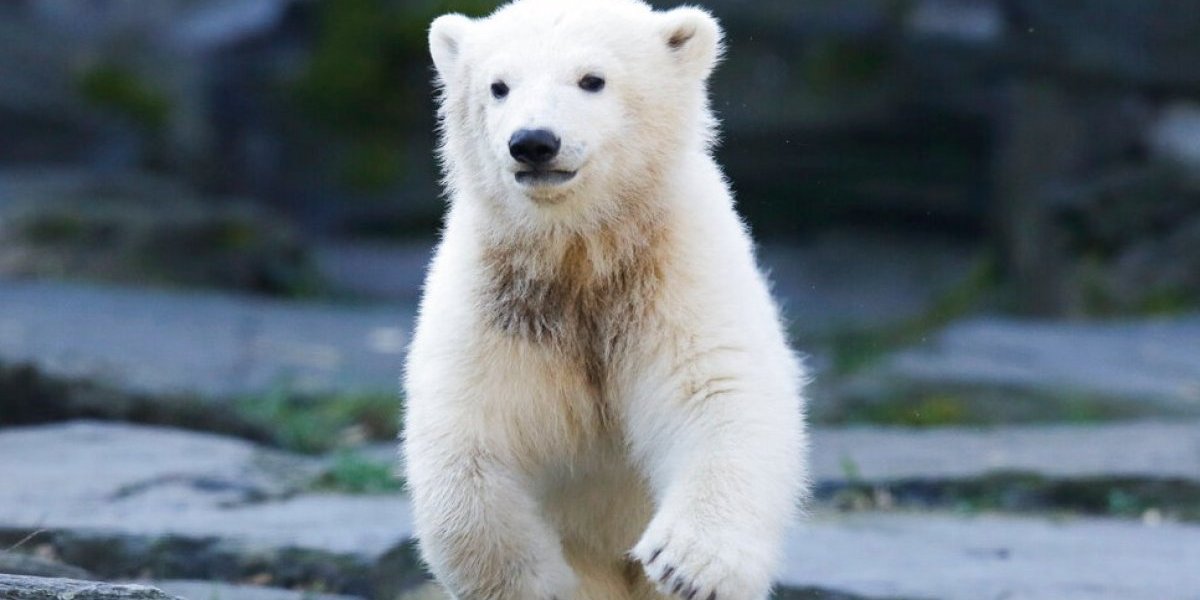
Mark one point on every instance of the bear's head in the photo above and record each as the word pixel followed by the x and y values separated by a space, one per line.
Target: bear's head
pixel 562 108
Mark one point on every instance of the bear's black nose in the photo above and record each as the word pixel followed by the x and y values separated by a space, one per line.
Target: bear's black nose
pixel 534 147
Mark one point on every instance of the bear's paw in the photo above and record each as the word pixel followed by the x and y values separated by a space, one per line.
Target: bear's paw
pixel 691 562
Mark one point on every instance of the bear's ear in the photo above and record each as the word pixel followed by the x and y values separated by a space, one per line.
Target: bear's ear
pixel 446 36
pixel 694 39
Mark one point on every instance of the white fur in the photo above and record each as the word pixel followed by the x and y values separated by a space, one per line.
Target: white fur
pixel 530 478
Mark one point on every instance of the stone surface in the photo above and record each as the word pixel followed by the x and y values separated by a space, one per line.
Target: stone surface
pixel 366 526
pixel 113 472
pixel 1137 367
pixel 15 587
pixel 209 345
pixel 992 556
pixel 213 590
pixel 433 592
pixel 1146 450
pixel 357 544
pixel 877 555
pixel 116 554
pixel 157 481
pixel 127 501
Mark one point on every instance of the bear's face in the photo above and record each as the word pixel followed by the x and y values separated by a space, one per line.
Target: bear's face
pixel 546 100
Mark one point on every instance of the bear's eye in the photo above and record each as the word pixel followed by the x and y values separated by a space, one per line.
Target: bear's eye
pixel 591 83
pixel 499 90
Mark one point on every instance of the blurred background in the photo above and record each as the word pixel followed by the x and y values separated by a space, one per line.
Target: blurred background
pixel 981 216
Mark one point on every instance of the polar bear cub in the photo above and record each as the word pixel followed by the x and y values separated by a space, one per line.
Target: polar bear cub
pixel 602 404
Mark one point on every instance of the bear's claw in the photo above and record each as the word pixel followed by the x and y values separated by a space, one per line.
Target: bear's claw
pixel 685 566
pixel 671 580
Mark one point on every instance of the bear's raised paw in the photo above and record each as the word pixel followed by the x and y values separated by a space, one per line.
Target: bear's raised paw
pixel 689 567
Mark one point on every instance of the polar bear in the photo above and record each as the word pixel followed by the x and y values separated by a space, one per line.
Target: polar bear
pixel 602 403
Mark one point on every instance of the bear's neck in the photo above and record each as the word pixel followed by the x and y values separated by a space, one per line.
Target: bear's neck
pixel 576 290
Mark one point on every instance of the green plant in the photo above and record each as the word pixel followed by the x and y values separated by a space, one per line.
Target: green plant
pixel 356 474
pixel 937 410
pixel 315 424
pixel 850 469
pixel 1166 301
pixel 117 89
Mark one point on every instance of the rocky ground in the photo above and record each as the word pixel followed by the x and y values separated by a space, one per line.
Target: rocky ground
pixel 222 447
pixel 124 502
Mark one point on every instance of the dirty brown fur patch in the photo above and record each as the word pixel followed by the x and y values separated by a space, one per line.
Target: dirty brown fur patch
pixel 580 295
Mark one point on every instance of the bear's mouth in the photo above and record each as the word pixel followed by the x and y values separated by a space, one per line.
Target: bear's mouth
pixel 539 177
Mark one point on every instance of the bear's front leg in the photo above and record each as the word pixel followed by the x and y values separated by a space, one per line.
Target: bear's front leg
pixel 725 460
pixel 479 529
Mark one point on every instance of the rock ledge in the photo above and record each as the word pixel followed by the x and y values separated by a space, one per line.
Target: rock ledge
pixel 15 587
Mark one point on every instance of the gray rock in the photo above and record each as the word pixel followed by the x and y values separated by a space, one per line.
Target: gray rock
pixel 359 545
pixel 109 540
pixel 126 501
pixel 15 587
pixel 211 346
pixel 992 556
pixel 115 554
pixel 1142 450
pixel 214 590
pixel 110 472
pixel 1048 369
pixel 155 481
pixel 366 526
pixel 433 592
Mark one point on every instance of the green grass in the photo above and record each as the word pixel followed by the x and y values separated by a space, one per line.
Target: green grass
pixel 917 405
pixel 933 410
pixel 318 424
pixel 356 474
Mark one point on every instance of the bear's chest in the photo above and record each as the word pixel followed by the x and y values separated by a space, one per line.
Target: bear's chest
pixel 584 316
pixel 583 325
